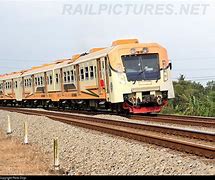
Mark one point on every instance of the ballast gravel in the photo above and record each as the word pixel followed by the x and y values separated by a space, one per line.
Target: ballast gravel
pixel 88 152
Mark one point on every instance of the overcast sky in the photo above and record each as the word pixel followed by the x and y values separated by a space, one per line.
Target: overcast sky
pixel 37 32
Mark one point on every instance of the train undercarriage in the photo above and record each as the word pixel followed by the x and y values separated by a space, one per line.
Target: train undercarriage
pixel 126 107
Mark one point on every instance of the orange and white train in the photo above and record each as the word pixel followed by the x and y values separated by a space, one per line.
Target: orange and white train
pixel 127 76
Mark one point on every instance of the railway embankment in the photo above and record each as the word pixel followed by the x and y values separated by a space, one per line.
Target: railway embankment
pixel 88 152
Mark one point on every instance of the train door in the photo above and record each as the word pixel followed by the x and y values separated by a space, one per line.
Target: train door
pixel 104 74
pixel 19 89
pixel 56 80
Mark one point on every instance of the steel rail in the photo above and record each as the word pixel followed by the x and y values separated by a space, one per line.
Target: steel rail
pixel 185 120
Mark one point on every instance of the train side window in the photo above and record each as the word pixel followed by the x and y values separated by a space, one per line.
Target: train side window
pixel 50 79
pixel 109 68
pixel 64 74
pixel 103 69
pixel 72 75
pixel 95 71
pixel 103 64
pixel 91 72
pixel 38 81
pixel 82 74
pixel 30 82
pixel 57 78
pixel 86 73
pixel 68 76
pixel 35 79
pixel 41 80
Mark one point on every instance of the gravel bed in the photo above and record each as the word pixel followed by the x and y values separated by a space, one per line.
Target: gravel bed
pixel 88 152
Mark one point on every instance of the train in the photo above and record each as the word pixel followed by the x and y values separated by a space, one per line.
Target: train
pixel 128 76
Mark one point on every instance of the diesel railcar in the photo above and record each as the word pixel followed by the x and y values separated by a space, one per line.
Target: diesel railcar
pixel 128 77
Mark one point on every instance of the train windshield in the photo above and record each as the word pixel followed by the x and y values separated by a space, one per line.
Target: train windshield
pixel 142 67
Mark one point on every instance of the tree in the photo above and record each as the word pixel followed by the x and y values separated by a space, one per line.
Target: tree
pixel 191 98
pixel 210 86
pixel 181 78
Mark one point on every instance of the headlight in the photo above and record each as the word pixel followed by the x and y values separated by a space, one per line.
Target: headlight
pixel 145 50
pixel 133 51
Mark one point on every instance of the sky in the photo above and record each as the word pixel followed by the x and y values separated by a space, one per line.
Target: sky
pixel 37 32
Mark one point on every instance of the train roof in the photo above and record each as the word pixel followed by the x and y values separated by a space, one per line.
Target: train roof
pixel 44 67
pixel 12 75
pixel 100 52
pixel 94 53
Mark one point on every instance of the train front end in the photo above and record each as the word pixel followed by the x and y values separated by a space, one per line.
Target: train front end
pixel 141 77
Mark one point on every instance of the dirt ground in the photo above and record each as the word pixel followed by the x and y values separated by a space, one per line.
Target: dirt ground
pixel 19 159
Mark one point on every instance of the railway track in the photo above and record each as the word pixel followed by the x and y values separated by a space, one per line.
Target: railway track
pixel 175 119
pixel 196 142
pixel 163 118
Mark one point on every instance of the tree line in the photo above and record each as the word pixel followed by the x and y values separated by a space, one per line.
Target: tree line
pixel 192 98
